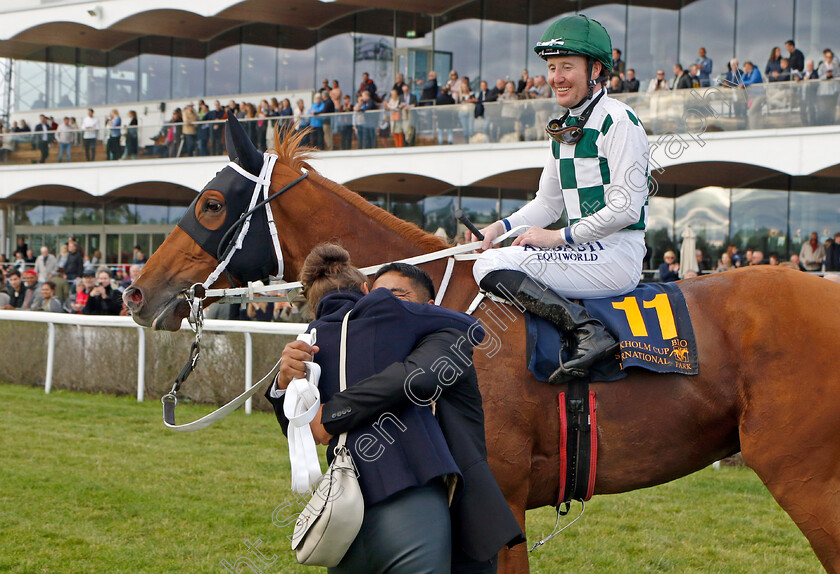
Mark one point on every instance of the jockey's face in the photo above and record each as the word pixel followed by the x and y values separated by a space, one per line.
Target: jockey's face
pixel 567 77
pixel 401 286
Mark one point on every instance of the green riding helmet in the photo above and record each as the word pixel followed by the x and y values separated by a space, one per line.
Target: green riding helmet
pixel 577 35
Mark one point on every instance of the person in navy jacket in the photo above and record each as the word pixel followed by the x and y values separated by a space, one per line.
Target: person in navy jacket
pixel 395 440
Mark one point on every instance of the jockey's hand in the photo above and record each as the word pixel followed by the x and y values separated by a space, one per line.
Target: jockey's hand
pixel 539 237
pixel 490 233
pixel 319 433
pixel 291 364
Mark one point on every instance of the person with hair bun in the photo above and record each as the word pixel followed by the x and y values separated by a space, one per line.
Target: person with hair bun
pixel 408 471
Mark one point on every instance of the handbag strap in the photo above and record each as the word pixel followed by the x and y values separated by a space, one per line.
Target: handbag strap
pixel 342 370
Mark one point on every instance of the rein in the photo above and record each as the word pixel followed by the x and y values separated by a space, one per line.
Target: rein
pixel 198 292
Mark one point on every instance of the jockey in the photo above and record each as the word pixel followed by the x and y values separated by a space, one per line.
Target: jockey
pixel 597 171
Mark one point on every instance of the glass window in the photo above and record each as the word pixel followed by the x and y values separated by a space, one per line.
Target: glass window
pixel 93 77
pixel 222 65
pixel 29 213
pixel 152 214
pixel 759 220
pixel 762 24
pixel 439 213
pixel 175 213
pixel 112 248
pixel 503 45
pixel 653 43
pixel 378 199
pixel 811 212
pixel 296 59
pixel 709 24
pixel 30 85
pixel 58 214
pixel 157 241
pixel 259 58
pixel 816 27
pixel 408 207
pixel 127 244
pixel 706 210
pixel 541 17
pixel 514 199
pixel 119 213
pixel 334 56
pixel 414 37
pixel 155 68
pixel 458 32
pixel 613 16
pixel 87 214
pixel 659 234
pixel 122 74
pixel 374 48
pixel 61 77
pixel 187 68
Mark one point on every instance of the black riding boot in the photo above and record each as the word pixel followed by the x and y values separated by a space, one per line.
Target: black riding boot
pixel 591 340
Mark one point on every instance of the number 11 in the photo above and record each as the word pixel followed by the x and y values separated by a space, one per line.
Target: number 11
pixel 630 306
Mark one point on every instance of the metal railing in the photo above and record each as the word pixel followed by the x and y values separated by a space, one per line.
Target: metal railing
pixel 210 325
pixel 698 110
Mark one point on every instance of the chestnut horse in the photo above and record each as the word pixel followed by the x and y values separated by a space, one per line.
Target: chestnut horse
pixel 767 385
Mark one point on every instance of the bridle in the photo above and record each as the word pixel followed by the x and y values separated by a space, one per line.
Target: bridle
pixel 231 242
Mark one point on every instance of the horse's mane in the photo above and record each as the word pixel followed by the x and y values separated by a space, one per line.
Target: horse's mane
pixel 292 153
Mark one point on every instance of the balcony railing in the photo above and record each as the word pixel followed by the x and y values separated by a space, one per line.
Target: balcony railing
pixel 693 111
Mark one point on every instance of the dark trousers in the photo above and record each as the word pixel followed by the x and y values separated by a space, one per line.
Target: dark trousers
pixel 114 149
pixel 408 533
pixel 90 149
pixel 45 149
pixel 316 137
pixel 346 137
pixel 203 141
pixel 217 138
pixel 189 145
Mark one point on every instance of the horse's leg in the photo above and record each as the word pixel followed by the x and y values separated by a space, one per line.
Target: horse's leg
pixel 793 448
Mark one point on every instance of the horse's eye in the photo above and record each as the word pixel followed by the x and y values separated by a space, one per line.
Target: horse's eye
pixel 213 206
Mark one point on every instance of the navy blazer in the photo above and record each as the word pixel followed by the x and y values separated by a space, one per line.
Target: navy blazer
pixel 404 447
pixel 441 367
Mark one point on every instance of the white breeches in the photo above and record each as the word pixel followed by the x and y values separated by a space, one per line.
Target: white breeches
pixel 605 268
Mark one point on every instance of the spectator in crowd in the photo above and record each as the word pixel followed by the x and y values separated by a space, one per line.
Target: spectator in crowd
pixel 62 255
pixel 65 137
pixel 139 256
pixel 392 107
pixel 774 62
pixel 368 85
pixel 541 88
pixel 724 263
pixel 751 74
pixel 796 261
pixel 453 84
pixel 796 57
pixel 808 104
pixel 327 122
pixel 783 75
pixel 615 86
pixel 174 133
pixel 31 287
pixel 757 257
pixel 44 137
pixel 774 259
pixel 102 298
pixel 693 77
pixel 90 125
pixel 114 134
pixel 133 273
pixel 62 288
pixel 701 260
pixel 204 129
pixel 370 118
pixel 617 64
pixel 445 118
pixel 659 83
pixel 258 311
pixel 407 102
pixel 45 264
pixel 631 84
pixel 325 88
pixel 301 120
pixel 482 96
pixel 296 312
pixel 499 88
pixel 346 124
pixel 190 130
pixel 681 80
pixel 704 65
pixel 669 270
pixel 829 69
pixel 75 263
pixel 29 259
pixel 399 82
pixel 832 255
pixel 429 90
pixel 217 133
pixel 509 121
pixel 466 108
pixel 812 253
pixel 316 123
pixel 522 84
pixel 47 301
pixel 5 299
pixel 735 76
pixel 16 290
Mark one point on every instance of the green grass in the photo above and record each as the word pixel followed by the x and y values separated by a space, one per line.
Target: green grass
pixel 95 483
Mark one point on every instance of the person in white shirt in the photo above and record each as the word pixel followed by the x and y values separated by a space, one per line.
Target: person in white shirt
pixel 90 125
pixel 65 136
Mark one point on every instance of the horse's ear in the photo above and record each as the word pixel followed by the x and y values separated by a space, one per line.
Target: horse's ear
pixel 239 147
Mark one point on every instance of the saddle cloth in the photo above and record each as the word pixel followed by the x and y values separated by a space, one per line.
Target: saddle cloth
pixel 651 323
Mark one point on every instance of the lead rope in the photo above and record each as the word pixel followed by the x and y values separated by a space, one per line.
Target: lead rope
pixel 557 531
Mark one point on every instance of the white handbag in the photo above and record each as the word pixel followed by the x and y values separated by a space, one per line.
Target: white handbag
pixel 333 517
